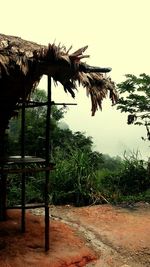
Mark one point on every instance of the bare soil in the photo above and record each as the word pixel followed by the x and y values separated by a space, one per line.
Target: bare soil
pixel 98 236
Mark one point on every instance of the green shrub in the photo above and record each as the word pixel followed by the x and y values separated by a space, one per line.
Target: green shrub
pixel 131 182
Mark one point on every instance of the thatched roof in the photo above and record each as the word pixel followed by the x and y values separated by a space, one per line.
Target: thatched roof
pixel 22 64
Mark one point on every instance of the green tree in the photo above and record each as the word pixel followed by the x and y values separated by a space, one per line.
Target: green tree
pixel 35 126
pixel 67 141
pixel 135 100
pixel 111 163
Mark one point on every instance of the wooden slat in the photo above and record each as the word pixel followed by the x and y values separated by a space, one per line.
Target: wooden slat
pixel 26 170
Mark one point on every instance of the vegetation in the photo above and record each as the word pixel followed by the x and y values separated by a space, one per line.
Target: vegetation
pixel 81 176
pixel 130 182
pixel 135 100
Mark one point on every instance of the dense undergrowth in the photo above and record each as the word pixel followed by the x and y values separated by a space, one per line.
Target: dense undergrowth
pixel 75 181
pixel 81 176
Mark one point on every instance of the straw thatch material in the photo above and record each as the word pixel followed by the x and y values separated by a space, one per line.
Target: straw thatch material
pixel 22 64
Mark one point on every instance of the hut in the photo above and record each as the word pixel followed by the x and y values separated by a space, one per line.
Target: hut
pixel 22 64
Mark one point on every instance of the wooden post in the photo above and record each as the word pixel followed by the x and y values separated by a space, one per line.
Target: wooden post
pixel 47 155
pixel 3 178
pixel 23 226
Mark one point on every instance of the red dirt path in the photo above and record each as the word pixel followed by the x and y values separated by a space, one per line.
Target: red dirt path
pixel 23 250
pixel 121 236
pixel 99 236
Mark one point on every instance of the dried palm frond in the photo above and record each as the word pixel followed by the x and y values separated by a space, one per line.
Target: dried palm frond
pixel 22 64
pixel 97 87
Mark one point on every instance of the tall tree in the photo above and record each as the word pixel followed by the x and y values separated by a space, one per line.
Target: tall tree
pixel 135 100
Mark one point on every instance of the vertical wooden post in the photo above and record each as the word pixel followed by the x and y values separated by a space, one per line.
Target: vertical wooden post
pixel 22 156
pixel 47 149
pixel 3 178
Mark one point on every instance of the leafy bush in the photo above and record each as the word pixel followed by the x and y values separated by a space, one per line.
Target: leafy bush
pixel 34 189
pixel 132 181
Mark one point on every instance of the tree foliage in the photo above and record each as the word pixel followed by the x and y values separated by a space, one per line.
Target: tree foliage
pixel 135 100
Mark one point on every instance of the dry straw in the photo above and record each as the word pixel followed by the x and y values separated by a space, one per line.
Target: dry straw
pixel 22 64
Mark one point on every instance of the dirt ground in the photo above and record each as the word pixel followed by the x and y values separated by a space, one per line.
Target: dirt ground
pixel 95 236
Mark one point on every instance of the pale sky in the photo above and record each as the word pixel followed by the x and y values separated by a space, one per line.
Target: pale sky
pixel 117 33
